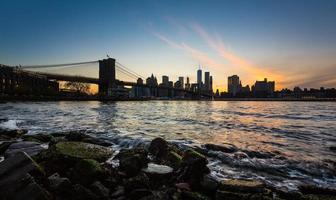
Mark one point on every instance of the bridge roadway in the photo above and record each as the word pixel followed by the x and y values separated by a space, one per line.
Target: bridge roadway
pixel 84 79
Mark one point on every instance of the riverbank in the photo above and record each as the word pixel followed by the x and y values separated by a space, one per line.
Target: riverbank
pixel 74 165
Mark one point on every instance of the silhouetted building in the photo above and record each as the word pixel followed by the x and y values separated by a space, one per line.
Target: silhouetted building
pixel 234 85
pixel 181 80
pixel 140 81
pixel 165 81
pixel 199 78
pixel 263 88
pixel 211 87
pixel 206 81
pixel 187 85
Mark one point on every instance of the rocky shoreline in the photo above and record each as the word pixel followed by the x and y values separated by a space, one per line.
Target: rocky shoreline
pixel 77 166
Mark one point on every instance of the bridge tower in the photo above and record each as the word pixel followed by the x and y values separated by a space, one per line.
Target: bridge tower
pixel 107 76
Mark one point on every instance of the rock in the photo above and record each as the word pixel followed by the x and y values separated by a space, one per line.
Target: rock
pixel 9 134
pixel 194 167
pixel 88 170
pixel 26 188
pixel 209 185
pixel 31 148
pixel 16 181
pixel 99 189
pixel 157 169
pixel 256 154
pixel 4 146
pixel 97 141
pixel 242 186
pixel 41 138
pixel 58 184
pixel 183 186
pixel 139 193
pixel 131 161
pixel 75 136
pixel 120 191
pixel 225 195
pixel 158 148
pixel 174 160
pixel 141 181
pixel 226 148
pixel 312 189
pixel 194 196
pixel 81 150
pixel 81 192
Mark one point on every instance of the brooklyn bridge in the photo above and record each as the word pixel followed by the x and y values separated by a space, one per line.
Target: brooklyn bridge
pixel 33 80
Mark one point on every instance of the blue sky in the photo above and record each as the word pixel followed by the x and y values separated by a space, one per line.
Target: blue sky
pixel 291 42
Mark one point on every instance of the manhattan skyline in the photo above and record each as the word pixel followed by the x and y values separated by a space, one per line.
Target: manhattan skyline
pixel 290 42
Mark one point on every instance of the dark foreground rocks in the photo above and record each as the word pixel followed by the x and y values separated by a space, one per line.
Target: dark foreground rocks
pixel 75 167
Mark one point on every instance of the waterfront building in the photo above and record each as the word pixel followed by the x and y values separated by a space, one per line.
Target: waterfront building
pixel 206 81
pixel 187 85
pixel 234 85
pixel 263 88
pixel 211 87
pixel 199 78
pixel 181 80
pixel 165 81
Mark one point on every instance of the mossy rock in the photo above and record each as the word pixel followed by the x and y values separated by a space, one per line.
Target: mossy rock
pixel 81 150
pixel 174 160
pixel 88 170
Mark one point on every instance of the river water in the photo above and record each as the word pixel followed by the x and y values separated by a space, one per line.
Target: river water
pixel 284 144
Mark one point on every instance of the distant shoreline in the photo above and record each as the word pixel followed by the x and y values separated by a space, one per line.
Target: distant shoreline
pixel 45 99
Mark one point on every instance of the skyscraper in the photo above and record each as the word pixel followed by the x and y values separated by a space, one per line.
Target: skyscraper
pixel 233 85
pixel 211 89
pixel 199 78
pixel 181 80
pixel 207 81
pixel 187 85
pixel 165 81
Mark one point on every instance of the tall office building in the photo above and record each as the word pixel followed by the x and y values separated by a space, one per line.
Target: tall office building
pixel 165 81
pixel 187 85
pixel 199 78
pixel 181 80
pixel 207 81
pixel 234 85
pixel 211 87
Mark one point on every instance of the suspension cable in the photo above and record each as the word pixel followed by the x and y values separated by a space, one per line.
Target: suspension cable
pixel 57 65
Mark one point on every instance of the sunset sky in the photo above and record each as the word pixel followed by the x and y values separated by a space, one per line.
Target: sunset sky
pixel 292 42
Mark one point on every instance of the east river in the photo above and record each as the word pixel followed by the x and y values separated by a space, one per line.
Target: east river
pixel 282 143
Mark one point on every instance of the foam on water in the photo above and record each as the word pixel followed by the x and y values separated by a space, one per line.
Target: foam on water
pixel 10 124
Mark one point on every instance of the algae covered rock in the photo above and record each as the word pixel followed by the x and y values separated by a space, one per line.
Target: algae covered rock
pixel 81 150
pixel 31 148
pixel 131 161
pixel 88 170
pixel 158 148
pixel 174 160
pixel 38 138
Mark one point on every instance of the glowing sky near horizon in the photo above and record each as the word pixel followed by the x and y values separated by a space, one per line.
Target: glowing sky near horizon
pixel 291 42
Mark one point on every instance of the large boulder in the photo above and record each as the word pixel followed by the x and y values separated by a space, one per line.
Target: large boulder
pixel 16 181
pixel 100 190
pixel 158 148
pixel 59 185
pixel 131 161
pixel 194 167
pixel 41 138
pixel 6 134
pixel 81 136
pixel 87 171
pixel 81 150
pixel 4 146
pixel 31 148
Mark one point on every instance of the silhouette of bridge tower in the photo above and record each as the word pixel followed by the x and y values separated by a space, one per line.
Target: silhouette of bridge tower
pixel 107 76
